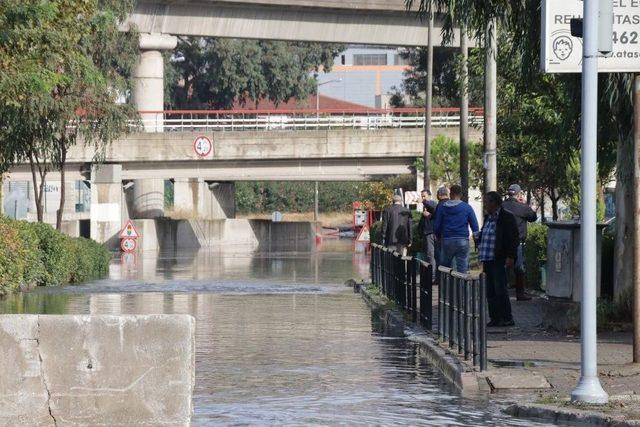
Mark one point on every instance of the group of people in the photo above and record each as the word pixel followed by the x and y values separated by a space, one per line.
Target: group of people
pixel 445 227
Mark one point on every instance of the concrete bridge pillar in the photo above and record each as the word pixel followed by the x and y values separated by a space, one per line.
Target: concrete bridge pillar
pixel 195 198
pixel 148 89
pixel 148 198
pixel 106 203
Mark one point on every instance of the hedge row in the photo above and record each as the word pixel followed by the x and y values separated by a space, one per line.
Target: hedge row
pixel 37 254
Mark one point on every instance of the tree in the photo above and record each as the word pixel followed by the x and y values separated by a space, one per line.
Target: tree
pixel 216 73
pixel 446 85
pixel 445 155
pixel 65 64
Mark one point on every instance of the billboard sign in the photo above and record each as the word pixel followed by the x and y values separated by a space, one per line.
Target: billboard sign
pixel 562 53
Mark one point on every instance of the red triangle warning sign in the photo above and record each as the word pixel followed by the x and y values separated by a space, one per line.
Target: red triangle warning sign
pixel 364 235
pixel 129 231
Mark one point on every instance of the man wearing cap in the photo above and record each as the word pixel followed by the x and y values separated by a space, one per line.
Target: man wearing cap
pixel 523 213
pixel 396 227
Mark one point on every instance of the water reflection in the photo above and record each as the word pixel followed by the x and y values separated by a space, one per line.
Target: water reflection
pixel 299 348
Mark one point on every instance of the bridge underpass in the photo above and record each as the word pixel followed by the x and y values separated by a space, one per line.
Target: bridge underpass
pixel 311 146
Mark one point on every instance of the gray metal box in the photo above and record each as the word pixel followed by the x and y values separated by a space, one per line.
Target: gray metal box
pixel 563 259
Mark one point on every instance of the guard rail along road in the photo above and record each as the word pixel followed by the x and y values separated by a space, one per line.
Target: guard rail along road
pixel 237 120
pixel 461 315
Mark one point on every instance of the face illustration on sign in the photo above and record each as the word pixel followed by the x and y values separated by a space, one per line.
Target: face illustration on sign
pixel 562 47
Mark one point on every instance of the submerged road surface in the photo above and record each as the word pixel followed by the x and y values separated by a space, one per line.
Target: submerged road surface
pixel 280 340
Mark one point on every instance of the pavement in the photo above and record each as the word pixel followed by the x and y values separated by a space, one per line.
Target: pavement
pixel 531 348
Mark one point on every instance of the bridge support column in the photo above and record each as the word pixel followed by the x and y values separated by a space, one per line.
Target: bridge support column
pixel 106 203
pixel 148 89
pixel 198 199
pixel 148 198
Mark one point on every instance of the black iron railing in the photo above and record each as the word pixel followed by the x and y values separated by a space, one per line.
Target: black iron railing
pixel 400 279
pixel 461 323
pixel 462 313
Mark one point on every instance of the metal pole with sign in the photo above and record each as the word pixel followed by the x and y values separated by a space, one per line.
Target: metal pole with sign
pixel 589 388
pixel 563 53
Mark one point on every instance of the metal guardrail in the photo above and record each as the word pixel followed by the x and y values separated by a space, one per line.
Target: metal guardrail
pixel 397 278
pixel 462 314
pixel 461 300
pixel 240 120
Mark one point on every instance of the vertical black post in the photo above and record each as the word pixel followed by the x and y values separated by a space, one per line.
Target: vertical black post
pixel 440 278
pixel 467 318
pixel 461 313
pixel 428 296
pixel 445 317
pixel 454 312
pixel 483 323
pixel 414 303
pixel 475 300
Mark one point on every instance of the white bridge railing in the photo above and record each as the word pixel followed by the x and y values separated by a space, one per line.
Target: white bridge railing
pixel 265 120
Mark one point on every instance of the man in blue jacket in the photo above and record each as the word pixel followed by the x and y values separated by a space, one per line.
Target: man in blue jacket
pixel 452 222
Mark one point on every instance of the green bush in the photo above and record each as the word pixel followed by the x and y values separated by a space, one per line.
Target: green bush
pixel 12 262
pixel 535 254
pixel 90 260
pixel 37 254
pixel 35 271
pixel 54 254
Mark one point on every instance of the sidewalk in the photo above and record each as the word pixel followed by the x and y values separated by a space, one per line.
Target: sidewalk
pixel 556 356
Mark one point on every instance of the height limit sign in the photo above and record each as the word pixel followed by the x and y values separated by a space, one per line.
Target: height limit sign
pixel 562 53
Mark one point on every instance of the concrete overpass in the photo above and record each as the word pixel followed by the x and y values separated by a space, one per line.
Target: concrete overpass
pixel 382 22
pixel 131 182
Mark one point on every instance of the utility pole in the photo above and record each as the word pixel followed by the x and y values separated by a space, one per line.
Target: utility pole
pixel 490 106
pixel 636 218
pixel 464 115
pixel 428 104
pixel 589 389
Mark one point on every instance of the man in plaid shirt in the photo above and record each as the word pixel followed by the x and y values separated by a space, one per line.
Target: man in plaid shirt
pixel 497 251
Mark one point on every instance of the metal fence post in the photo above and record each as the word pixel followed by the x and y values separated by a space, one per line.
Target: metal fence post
pixel 476 321
pixel 441 293
pixel 483 323
pixel 467 318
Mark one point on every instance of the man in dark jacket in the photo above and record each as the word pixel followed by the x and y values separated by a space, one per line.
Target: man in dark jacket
pixel 497 251
pixel 425 228
pixel 396 227
pixel 516 205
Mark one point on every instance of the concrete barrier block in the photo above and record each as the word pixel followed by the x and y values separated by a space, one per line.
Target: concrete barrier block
pixel 97 370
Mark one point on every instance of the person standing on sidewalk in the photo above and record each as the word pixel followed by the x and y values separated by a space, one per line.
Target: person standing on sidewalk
pixel 516 204
pixel 425 228
pixel 452 222
pixel 396 227
pixel 497 252
pixel 442 195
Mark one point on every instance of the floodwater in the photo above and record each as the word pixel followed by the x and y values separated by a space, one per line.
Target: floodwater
pixel 279 339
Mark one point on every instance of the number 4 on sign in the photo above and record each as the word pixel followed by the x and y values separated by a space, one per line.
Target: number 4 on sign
pixel 129 231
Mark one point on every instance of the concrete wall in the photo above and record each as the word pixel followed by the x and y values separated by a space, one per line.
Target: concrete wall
pixel 162 148
pixel 96 370
pixel 168 235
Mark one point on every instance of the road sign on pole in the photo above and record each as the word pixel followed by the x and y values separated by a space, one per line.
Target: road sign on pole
pixel 563 53
pixel 589 389
pixel 128 245
pixel 129 231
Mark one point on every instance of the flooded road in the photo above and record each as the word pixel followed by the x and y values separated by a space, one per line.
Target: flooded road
pixel 279 339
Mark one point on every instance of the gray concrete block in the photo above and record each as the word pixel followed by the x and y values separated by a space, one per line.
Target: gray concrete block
pixel 97 370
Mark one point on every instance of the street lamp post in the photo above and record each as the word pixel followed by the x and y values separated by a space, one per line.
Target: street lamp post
pixel 318 98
